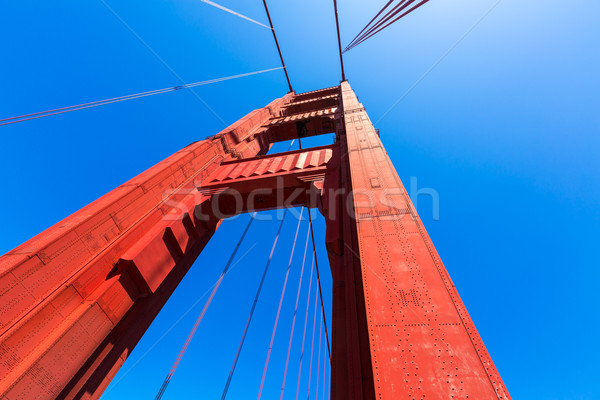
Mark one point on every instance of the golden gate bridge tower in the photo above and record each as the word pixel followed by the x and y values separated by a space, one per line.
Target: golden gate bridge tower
pixel 76 299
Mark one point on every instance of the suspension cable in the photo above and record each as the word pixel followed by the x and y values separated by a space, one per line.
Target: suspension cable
pixel 287 357
pixel 287 274
pixel 40 114
pixel 162 389
pixel 260 285
pixel 401 16
pixel 371 21
pixel 277 44
pixel 312 347
pixel 318 363
pixel 312 236
pixel 324 376
pixel 398 7
pixel 384 22
pixel 233 12
pixel 394 20
pixel 308 296
pixel 337 27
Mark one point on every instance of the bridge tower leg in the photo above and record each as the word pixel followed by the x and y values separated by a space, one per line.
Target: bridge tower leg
pixel 75 299
pixel 400 329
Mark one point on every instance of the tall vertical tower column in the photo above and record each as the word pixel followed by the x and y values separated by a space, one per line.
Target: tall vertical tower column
pixel 400 329
pixel 75 299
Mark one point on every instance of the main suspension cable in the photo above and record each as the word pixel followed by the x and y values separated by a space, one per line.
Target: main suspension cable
pixel 162 389
pixel 312 236
pixel 394 20
pixel 287 274
pixel 40 114
pixel 398 7
pixel 384 21
pixel 371 21
pixel 337 27
pixel 277 44
pixel 287 357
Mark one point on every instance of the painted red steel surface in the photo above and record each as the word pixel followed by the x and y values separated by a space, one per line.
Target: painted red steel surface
pixel 75 300
pixel 423 344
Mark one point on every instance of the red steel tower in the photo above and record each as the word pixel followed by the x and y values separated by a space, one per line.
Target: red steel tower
pixel 76 299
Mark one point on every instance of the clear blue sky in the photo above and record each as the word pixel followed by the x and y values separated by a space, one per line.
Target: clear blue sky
pixel 505 128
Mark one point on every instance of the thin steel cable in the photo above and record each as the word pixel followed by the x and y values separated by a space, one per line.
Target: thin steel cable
pixel 385 18
pixel 438 61
pixel 287 357
pixel 390 14
pixel 371 21
pixel 233 12
pixel 393 21
pixel 173 326
pixel 308 296
pixel 318 363
pixel 413 8
pixel 256 297
pixel 324 375
pixel 337 27
pixel 312 236
pixel 163 62
pixel 41 114
pixel 328 380
pixel 328 391
pixel 312 347
pixel 80 105
pixel 203 312
pixel 287 274
pixel 277 44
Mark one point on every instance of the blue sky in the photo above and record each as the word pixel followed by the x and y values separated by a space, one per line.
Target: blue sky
pixel 505 128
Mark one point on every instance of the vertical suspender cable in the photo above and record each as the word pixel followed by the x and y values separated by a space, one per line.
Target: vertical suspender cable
pixel 287 274
pixel 312 348
pixel 312 236
pixel 201 316
pixel 287 357
pixel 277 44
pixel 262 281
pixel 305 324
pixel 318 363
pixel 324 376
